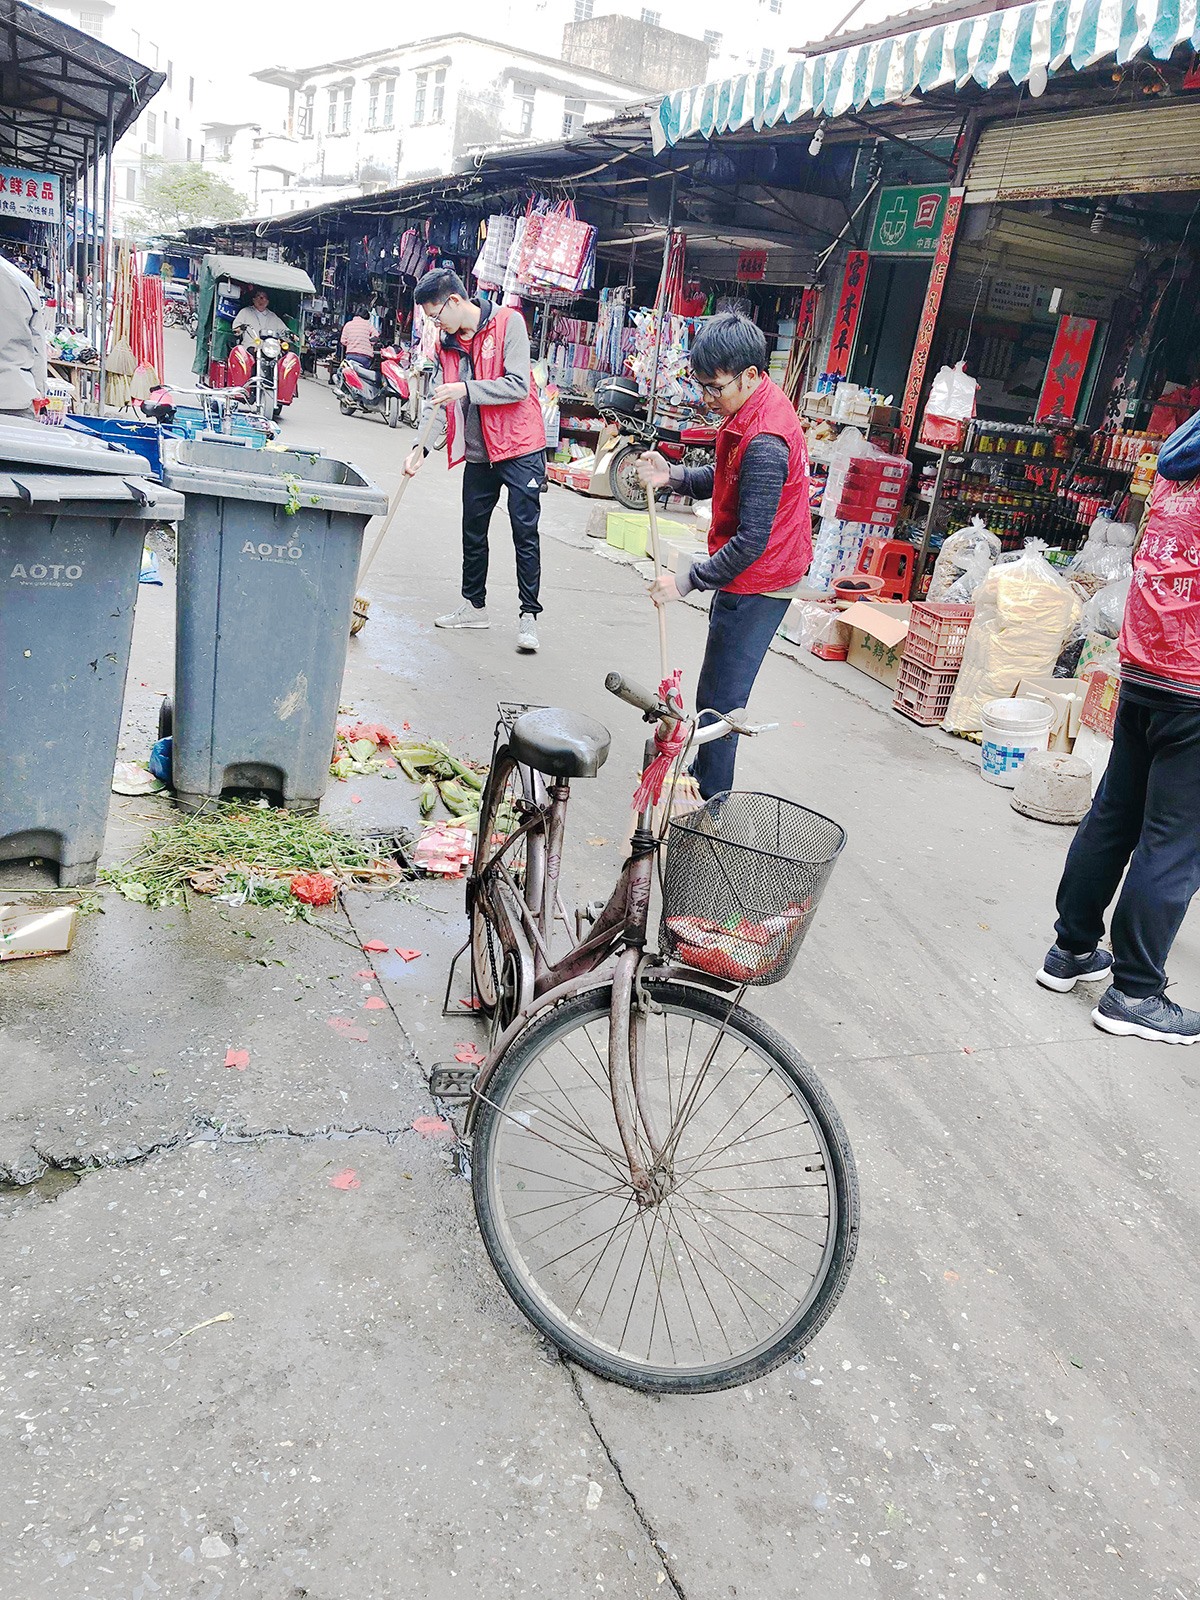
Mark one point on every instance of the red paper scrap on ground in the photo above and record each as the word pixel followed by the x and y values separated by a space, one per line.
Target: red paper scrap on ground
pixel 377 947
pixel 374 1004
pixel 432 1127
pixel 237 1058
pixel 349 1179
pixel 348 1029
pixel 468 1053
pixel 356 799
pixel 407 955
pixel 365 973
pixel 471 1003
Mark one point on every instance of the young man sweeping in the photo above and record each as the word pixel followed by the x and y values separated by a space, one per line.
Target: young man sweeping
pixel 760 538
pixel 494 428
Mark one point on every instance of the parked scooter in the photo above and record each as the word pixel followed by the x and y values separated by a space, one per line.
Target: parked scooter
pixel 270 369
pixel 625 414
pixel 387 388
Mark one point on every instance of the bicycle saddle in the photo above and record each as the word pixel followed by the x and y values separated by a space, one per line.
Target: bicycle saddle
pixel 562 744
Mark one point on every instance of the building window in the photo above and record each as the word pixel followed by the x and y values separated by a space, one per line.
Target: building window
pixel 713 41
pixel 176 124
pixel 573 114
pixel 430 102
pixel 389 102
pixel 652 19
pixel 170 74
pixel 191 91
pixel 131 183
pixel 189 149
pixel 332 112
pixel 152 127
pixel 583 10
pixel 373 104
pixel 346 93
pixel 305 124
pixel 766 61
pixel 92 22
pixel 525 94
pixel 776 7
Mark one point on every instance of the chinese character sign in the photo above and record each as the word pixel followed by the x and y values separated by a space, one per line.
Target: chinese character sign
pixel 30 194
pixel 929 316
pixel 845 322
pixel 752 266
pixel 1065 369
pixel 908 220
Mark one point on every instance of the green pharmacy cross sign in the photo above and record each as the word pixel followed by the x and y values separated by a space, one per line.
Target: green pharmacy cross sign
pixel 908 221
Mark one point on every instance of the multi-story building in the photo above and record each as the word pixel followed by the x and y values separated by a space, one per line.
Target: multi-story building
pixel 419 109
pixel 171 126
pixel 750 37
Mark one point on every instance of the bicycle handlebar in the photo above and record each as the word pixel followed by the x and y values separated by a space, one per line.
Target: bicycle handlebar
pixel 634 695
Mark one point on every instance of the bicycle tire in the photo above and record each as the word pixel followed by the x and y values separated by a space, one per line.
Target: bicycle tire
pixel 486 952
pixel 842 1183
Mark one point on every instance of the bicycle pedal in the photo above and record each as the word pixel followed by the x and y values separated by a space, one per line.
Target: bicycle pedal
pixel 449 1081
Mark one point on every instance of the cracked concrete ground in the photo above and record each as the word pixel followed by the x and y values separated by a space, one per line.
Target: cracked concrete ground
pixel 1005 1402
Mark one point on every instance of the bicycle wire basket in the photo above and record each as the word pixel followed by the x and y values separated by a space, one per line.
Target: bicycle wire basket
pixel 743 878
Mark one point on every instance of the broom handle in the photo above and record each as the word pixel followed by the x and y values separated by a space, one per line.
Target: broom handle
pixel 656 554
pixel 423 436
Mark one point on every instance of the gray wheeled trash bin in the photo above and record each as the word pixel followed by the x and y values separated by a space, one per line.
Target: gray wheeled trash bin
pixel 268 560
pixel 73 516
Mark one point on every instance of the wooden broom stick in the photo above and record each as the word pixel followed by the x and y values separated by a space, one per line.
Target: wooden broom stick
pixel 423 437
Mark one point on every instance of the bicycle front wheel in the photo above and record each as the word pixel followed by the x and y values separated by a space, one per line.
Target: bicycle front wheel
pixel 744 1248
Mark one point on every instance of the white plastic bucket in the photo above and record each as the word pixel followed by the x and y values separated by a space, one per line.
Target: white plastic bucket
pixel 1011 729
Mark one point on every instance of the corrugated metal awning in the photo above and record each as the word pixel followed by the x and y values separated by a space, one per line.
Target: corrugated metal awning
pixel 1022 42
pixel 1137 151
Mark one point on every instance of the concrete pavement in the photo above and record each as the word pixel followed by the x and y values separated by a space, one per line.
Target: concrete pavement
pixel 1005 1402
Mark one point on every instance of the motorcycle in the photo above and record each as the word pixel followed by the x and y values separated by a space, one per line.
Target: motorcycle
pixel 627 420
pixel 387 387
pixel 269 368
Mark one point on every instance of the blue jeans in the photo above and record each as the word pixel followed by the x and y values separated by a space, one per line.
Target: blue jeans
pixel 740 630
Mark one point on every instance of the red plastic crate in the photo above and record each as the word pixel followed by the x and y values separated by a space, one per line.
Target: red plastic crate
pixel 937 636
pixel 923 695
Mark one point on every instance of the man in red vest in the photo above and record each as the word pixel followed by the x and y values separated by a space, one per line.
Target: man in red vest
pixel 760 538
pixel 1146 814
pixel 494 428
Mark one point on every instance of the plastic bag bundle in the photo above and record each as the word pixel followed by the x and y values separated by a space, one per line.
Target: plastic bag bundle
pixel 1105 611
pixel 1023 613
pixel 963 562
pixel 952 394
pixel 1107 551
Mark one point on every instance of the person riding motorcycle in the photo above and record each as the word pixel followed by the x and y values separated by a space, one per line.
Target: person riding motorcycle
pixel 255 321
pixel 359 341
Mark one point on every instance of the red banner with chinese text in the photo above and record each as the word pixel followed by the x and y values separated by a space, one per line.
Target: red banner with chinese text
pixel 849 309
pixel 928 322
pixel 1065 369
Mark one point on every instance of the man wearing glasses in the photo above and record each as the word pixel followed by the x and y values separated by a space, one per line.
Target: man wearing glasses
pixel 494 427
pixel 760 538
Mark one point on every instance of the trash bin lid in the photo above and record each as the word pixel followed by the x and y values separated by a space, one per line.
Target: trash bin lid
pixel 300 478
pixel 76 494
pixel 32 444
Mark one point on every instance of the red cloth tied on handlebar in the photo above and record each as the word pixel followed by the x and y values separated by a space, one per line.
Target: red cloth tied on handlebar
pixel 666 751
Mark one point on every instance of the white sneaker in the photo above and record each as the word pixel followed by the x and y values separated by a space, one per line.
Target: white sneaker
pixel 527 634
pixel 467 616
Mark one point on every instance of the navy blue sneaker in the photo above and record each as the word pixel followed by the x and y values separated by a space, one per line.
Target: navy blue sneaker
pixel 1157 1018
pixel 1061 971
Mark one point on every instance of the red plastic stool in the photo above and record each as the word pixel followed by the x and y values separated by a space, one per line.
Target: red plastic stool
pixel 892 560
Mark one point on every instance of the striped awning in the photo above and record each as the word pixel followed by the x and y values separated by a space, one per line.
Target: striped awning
pixel 1042 36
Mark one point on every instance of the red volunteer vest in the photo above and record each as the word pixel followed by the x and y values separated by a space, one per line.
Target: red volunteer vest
pixel 789 549
pixel 508 431
pixel 1161 630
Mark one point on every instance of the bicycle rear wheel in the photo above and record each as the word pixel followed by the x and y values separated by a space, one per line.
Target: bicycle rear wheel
pixel 745 1250
pixel 506 801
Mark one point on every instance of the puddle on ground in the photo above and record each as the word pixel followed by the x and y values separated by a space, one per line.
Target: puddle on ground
pixel 52 1183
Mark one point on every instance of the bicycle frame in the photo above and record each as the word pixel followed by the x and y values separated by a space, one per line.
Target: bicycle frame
pixel 524 922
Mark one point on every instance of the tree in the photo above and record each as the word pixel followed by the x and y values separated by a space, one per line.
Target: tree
pixel 183 194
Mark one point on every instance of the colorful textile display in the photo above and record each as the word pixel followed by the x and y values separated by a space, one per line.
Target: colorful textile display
pixel 492 261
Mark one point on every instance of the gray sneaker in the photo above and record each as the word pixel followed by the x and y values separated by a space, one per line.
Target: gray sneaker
pixel 527 634
pixel 1156 1018
pixel 1061 970
pixel 467 616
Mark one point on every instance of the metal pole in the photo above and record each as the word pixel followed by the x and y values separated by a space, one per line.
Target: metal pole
pixel 89 236
pixel 107 266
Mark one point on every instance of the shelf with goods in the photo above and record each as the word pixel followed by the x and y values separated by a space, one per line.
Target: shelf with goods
pixel 1024 481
